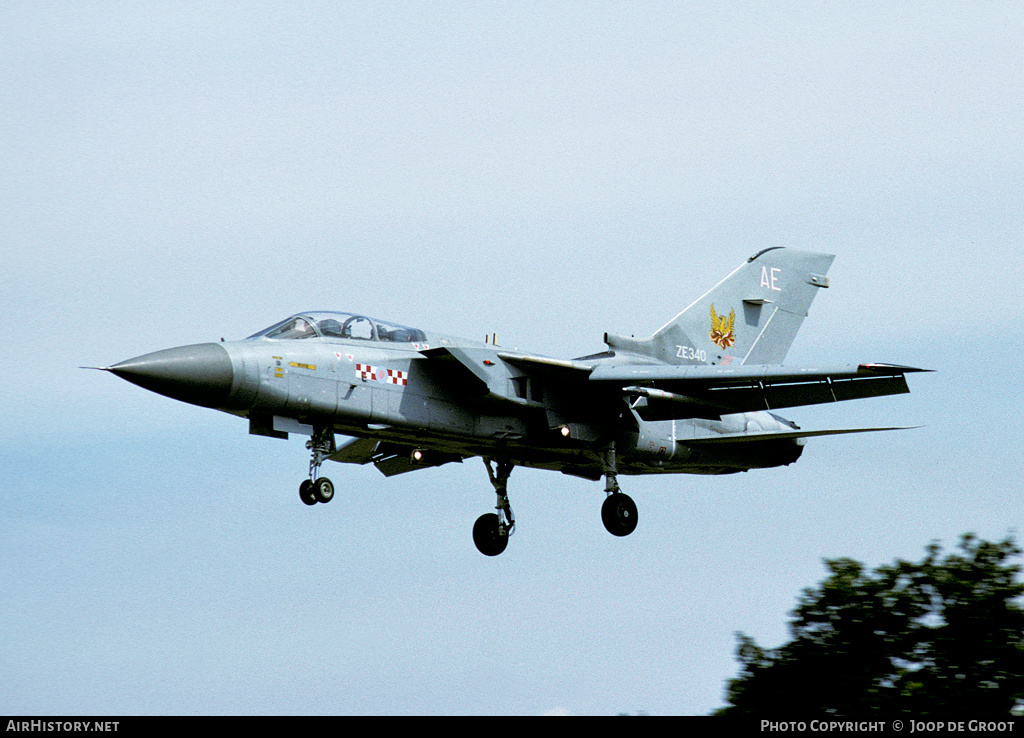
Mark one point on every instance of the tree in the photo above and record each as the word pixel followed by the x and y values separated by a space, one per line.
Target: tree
pixel 937 638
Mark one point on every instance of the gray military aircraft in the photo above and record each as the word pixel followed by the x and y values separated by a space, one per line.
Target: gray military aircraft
pixel 696 397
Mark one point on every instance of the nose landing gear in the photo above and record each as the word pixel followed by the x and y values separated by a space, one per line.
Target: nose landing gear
pixel 318 489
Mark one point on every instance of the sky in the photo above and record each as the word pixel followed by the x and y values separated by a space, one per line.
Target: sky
pixel 545 171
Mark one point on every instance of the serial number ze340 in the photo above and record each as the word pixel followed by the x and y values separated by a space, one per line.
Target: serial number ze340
pixel 689 352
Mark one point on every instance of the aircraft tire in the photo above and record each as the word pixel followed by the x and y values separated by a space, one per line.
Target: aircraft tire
pixel 306 492
pixel 619 514
pixel 323 490
pixel 486 536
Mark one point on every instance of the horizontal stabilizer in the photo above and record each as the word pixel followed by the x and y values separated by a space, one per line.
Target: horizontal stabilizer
pixel 783 435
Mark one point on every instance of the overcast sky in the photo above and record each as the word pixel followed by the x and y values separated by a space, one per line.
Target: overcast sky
pixel 176 173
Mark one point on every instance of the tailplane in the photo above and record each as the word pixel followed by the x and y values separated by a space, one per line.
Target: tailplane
pixel 750 317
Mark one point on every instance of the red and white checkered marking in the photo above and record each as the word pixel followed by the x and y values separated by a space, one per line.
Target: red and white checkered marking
pixel 369 372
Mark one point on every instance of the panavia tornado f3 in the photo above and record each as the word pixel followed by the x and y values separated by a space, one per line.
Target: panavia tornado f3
pixel 697 397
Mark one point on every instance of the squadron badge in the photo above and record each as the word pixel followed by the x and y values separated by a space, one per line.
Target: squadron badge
pixel 722 331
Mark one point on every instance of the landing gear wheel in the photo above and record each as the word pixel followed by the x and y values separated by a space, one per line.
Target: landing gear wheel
pixel 306 492
pixel 323 490
pixel 487 535
pixel 619 514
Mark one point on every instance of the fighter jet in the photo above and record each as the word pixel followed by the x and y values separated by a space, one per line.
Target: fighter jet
pixel 698 396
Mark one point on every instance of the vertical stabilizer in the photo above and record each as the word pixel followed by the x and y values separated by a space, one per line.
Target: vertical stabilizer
pixel 750 317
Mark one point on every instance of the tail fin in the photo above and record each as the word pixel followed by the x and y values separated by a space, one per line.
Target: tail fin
pixel 750 317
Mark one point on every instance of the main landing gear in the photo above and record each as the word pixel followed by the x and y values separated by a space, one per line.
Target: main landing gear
pixel 318 489
pixel 491 531
pixel 618 513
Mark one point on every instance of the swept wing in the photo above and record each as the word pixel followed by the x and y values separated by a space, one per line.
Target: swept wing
pixel 677 392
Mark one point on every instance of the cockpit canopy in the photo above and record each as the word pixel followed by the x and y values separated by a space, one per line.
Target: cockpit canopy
pixel 329 324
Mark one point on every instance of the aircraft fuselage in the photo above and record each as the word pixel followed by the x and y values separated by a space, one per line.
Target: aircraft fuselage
pixel 389 391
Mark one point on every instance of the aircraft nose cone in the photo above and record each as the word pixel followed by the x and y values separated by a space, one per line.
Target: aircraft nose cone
pixel 200 374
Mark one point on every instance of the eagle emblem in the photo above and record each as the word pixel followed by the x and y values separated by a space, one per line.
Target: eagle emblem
pixel 722 332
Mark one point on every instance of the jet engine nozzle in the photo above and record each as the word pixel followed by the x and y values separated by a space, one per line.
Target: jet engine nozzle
pixel 200 374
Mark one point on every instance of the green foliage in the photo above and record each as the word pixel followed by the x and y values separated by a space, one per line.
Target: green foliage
pixel 937 638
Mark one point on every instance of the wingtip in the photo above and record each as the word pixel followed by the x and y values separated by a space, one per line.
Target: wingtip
pixel 878 366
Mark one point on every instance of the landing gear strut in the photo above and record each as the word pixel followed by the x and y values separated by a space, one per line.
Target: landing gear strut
pixel 318 489
pixel 491 531
pixel 618 513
